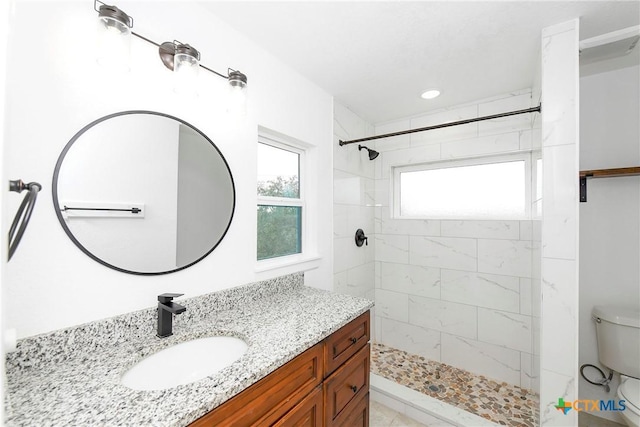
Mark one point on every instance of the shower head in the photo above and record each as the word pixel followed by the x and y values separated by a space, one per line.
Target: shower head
pixel 372 153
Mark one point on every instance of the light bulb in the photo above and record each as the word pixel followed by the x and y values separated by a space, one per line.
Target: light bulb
pixel 237 99
pixel 114 39
pixel 186 66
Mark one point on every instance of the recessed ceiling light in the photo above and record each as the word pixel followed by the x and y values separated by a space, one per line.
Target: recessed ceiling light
pixel 430 94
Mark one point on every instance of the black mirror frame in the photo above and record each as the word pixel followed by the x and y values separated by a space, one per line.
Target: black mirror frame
pixel 56 204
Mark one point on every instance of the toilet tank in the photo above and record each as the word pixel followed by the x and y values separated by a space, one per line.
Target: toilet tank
pixel 618 333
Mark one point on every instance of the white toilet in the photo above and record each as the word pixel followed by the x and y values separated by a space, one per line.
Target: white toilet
pixel 618 333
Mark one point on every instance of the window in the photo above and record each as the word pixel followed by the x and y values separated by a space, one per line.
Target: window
pixel 485 188
pixel 280 199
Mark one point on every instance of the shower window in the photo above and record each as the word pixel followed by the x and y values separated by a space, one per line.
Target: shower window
pixel 497 187
pixel 280 200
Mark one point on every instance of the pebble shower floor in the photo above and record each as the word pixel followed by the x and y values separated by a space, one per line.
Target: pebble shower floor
pixel 502 403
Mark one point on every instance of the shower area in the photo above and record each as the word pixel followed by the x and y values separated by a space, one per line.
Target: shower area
pixel 457 325
pixel 457 307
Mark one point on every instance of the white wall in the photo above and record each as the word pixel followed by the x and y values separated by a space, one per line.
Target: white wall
pixel 4 36
pixel 610 219
pixel 57 88
pixel 457 291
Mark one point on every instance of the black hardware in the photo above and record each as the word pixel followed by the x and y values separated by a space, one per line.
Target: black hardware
pixel 444 125
pixel 602 382
pixel 24 212
pixel 17 186
pixel 166 309
pixel 132 210
pixel 354 388
pixel 372 153
pixel 361 238
pixel 583 188
pixel 353 340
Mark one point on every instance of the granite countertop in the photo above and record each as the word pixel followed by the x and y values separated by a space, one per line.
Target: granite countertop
pixel 71 377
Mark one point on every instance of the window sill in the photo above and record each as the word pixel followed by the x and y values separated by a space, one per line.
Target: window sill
pixel 301 262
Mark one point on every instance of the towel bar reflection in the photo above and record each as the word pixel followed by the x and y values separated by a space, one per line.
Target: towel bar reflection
pixel 132 210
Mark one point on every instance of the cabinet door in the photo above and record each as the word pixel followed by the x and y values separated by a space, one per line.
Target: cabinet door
pixel 345 342
pixel 273 396
pixel 358 416
pixel 307 413
pixel 348 384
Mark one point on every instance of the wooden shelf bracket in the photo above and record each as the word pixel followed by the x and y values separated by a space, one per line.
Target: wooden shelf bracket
pixel 603 173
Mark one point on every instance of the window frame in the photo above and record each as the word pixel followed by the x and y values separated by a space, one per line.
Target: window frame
pixel 536 197
pixel 280 260
pixel 525 156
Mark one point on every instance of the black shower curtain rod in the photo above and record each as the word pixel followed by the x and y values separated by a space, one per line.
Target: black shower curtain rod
pixel 445 125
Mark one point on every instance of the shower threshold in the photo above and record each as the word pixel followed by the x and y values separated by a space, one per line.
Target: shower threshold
pixel 453 395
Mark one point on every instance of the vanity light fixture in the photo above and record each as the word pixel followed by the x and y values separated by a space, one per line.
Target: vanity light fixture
pixel 182 58
pixel 184 61
pixel 237 79
pixel 114 37
pixel 237 102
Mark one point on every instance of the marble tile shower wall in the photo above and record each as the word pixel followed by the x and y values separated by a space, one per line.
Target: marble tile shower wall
pixel 353 198
pixel 560 237
pixel 458 292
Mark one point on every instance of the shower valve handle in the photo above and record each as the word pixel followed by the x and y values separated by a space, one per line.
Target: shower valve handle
pixel 361 238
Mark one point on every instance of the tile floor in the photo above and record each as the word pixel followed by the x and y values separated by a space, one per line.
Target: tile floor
pixel 383 416
pixel 500 403
pixel 588 420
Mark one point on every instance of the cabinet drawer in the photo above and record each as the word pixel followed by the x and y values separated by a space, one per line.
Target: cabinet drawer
pixel 273 396
pixel 345 342
pixel 307 413
pixel 358 416
pixel 346 386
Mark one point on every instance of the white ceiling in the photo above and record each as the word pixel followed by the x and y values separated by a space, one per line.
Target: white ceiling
pixel 377 57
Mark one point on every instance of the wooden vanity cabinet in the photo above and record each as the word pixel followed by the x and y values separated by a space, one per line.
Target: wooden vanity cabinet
pixel 345 342
pixel 327 385
pixel 346 387
pixel 307 413
pixel 269 399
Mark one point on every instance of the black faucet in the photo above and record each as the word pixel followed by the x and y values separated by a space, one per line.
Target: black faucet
pixel 166 310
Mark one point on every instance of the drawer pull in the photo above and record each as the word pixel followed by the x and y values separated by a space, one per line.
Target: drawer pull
pixel 354 388
pixel 353 340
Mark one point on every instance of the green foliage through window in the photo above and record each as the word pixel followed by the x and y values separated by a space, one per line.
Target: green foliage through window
pixel 279 221
pixel 280 187
pixel 279 230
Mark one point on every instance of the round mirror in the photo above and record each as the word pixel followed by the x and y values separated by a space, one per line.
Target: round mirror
pixel 143 192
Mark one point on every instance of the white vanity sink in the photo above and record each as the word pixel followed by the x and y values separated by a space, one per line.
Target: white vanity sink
pixel 184 363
